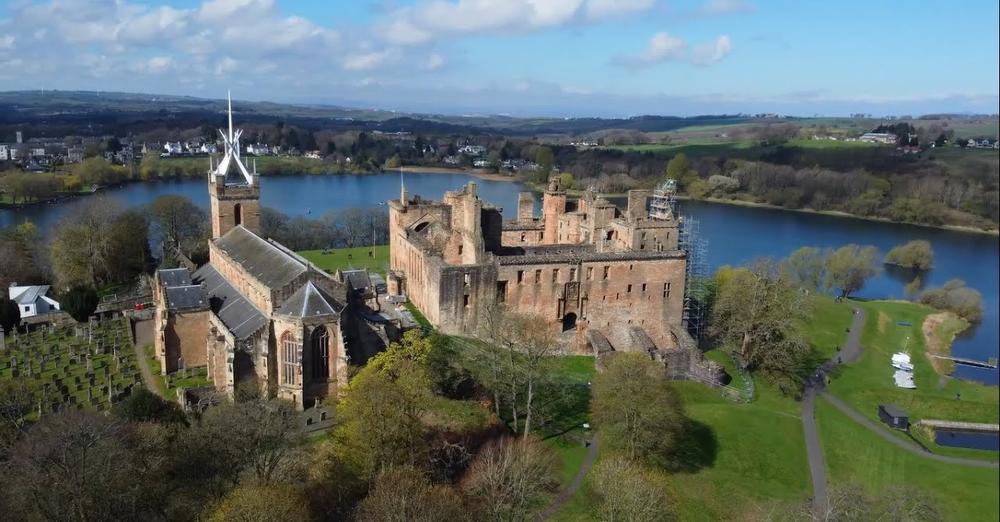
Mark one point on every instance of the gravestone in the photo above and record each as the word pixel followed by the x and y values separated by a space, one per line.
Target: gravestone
pixel 3 339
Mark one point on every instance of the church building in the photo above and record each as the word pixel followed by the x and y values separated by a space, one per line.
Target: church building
pixel 256 312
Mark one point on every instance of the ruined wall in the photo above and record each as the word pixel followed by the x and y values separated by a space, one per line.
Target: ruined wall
pixel 522 235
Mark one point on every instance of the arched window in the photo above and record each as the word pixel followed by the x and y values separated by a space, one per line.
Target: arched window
pixel 237 214
pixel 320 350
pixel 289 358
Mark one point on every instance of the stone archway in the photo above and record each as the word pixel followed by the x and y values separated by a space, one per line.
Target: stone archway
pixel 569 322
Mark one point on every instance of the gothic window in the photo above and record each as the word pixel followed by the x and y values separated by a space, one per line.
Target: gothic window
pixel 320 350
pixel 237 214
pixel 289 358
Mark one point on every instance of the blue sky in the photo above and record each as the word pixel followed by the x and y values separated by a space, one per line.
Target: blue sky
pixel 522 57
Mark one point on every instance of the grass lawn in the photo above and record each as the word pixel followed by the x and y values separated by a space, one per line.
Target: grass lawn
pixel 868 382
pixel 168 384
pixel 349 258
pixel 855 455
pixel 827 330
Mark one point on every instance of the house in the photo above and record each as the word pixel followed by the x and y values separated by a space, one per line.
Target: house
pixel 74 154
pixel 32 300
pixel 878 137
pixel 481 163
pixel 473 150
pixel 4 152
pixel 893 417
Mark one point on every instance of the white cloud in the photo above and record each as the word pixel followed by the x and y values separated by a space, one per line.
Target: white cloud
pixel 226 66
pixel 602 8
pixel 711 53
pixel 432 19
pixel 7 41
pixel 664 47
pixel 156 65
pixel 661 47
pixel 366 61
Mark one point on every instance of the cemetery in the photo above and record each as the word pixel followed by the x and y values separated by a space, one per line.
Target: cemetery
pixel 91 365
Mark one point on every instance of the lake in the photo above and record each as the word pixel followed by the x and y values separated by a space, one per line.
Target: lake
pixel 734 235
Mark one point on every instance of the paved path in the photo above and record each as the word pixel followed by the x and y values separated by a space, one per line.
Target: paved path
pixel 850 352
pixel 143 338
pixel 574 485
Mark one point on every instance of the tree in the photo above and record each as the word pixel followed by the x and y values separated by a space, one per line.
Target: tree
pixel 916 254
pixel 179 220
pixel 380 416
pixel 10 314
pixel 630 492
pixel 18 398
pixel 80 302
pixel 533 338
pixel 99 243
pixel 510 478
pixel 404 494
pixel 545 160
pixel 678 167
pixel 806 268
pixel 262 502
pixel 143 405
pixel 80 465
pixel 756 317
pixel 636 409
pixel 393 162
pixel 848 267
pixel 955 296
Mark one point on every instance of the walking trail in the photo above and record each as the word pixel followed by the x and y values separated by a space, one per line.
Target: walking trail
pixel 574 485
pixel 850 352
pixel 143 338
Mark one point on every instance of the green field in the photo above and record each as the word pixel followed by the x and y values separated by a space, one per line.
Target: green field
pixel 355 258
pixel 856 456
pixel 868 382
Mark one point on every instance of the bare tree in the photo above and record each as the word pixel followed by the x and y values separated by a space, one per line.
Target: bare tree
pixel 510 478
pixel 630 492
pixel 405 494
pixel 535 340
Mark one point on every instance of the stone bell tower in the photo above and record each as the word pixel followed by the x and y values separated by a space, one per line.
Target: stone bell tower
pixel 234 191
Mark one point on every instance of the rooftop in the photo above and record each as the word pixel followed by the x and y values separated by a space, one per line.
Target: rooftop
pixel 262 259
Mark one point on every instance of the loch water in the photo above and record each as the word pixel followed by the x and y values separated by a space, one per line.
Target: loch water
pixel 733 235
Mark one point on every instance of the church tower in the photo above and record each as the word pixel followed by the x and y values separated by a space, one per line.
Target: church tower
pixel 233 190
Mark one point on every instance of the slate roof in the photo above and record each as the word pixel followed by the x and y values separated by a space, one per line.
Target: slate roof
pixel 174 277
pixel 238 314
pixel 357 279
pixel 892 410
pixel 309 301
pixel 186 297
pixel 28 294
pixel 266 262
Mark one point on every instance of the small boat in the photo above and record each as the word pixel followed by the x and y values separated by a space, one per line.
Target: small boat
pixel 901 361
pixel 904 379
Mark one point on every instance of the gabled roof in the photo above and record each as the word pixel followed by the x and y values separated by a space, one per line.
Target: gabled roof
pixel 27 294
pixel 260 258
pixel 240 316
pixel 309 301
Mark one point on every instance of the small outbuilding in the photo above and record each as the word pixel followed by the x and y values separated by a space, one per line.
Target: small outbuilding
pixel 32 300
pixel 893 416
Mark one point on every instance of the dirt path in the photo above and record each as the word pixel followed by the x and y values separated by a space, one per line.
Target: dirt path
pixel 143 338
pixel 574 485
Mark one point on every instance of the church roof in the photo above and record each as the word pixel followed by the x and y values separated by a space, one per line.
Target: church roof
pixel 240 316
pixel 267 263
pixel 186 297
pixel 309 301
pixel 174 277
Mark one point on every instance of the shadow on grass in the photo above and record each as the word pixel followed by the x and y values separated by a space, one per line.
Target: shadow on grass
pixel 697 448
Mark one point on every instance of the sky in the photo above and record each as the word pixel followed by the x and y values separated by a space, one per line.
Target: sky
pixel 564 58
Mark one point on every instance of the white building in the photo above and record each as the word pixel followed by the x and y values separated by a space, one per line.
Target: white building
pixel 32 300
pixel 878 137
pixel 4 152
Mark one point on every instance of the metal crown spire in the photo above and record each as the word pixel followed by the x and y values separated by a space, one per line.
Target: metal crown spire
pixel 229 99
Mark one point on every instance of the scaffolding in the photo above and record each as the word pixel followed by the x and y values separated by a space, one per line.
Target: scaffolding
pixel 663 206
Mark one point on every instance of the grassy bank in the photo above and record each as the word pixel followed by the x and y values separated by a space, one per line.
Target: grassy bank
pixel 856 456
pixel 893 326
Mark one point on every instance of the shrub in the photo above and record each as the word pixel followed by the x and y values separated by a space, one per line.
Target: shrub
pixel 956 297
pixel 80 302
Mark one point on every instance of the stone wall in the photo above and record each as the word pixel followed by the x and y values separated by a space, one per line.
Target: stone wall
pixel 234 204
pixel 184 336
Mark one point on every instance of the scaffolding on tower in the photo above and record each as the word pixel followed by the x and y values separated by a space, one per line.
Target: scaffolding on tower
pixel 663 206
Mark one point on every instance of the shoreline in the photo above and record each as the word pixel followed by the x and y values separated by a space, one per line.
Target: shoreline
pixel 938 341
pixel 840 214
pixel 476 173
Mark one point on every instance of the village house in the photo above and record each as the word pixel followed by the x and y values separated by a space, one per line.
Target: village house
pixel 32 300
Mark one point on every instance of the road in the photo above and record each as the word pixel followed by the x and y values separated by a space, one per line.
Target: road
pixel 144 337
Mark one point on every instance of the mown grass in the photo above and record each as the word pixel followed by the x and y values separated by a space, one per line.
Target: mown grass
pixel 356 258
pixel 854 455
pixel 868 382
